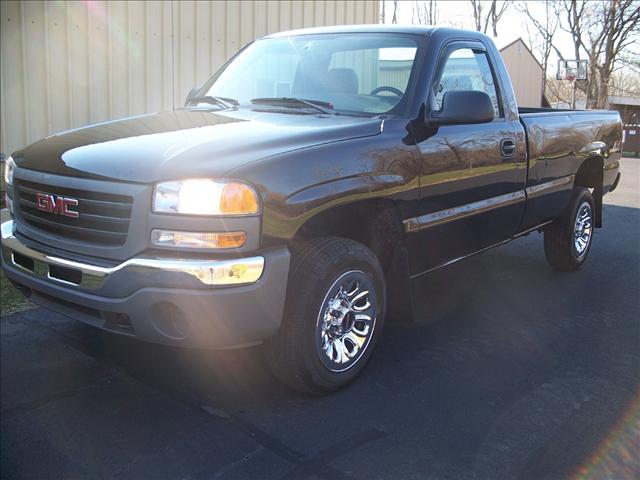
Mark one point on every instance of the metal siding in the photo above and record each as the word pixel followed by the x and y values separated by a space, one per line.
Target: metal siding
pixel 67 64
pixel 14 106
pixel 525 74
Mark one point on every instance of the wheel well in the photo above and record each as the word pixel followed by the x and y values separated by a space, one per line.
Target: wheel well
pixel 363 222
pixel 378 225
pixel 590 175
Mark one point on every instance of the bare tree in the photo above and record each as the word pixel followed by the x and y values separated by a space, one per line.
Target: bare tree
pixel 630 61
pixel 561 92
pixel 394 19
pixel 425 12
pixel 578 16
pixel 601 31
pixel 625 82
pixel 478 7
pixel 545 29
pixel 488 17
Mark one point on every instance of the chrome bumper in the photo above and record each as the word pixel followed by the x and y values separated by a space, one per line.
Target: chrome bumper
pixel 91 277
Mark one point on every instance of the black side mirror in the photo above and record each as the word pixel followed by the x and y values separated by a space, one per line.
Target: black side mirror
pixel 463 107
pixel 192 93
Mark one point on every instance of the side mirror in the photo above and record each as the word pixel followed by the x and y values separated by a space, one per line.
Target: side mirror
pixel 461 107
pixel 192 93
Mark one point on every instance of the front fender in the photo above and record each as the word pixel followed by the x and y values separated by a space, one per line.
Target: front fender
pixel 297 186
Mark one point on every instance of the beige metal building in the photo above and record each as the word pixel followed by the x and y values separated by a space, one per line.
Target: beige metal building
pixel 65 64
pixel 526 73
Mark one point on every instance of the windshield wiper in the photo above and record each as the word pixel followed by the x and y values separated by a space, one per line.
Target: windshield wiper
pixel 222 101
pixel 319 105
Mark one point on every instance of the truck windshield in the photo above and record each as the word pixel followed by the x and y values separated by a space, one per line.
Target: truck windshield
pixel 352 73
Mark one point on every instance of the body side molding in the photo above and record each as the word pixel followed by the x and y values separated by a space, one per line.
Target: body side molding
pixel 456 213
pixel 416 224
pixel 542 188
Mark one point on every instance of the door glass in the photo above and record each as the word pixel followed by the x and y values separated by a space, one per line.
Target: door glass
pixel 466 69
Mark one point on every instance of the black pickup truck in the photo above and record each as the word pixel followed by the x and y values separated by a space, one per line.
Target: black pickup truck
pixel 300 192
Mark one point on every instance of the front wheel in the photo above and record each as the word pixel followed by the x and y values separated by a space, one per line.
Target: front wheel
pixel 333 316
pixel 567 240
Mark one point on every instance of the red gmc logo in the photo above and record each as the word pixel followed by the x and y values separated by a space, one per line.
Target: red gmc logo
pixel 56 205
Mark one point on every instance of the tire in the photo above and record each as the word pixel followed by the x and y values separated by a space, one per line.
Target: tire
pixel 568 239
pixel 325 340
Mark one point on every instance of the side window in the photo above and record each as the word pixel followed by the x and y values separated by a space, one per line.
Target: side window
pixel 467 69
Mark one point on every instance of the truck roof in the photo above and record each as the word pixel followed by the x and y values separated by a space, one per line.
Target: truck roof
pixel 374 28
pixel 424 30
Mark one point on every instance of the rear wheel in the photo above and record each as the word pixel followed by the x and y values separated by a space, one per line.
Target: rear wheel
pixel 333 317
pixel 567 240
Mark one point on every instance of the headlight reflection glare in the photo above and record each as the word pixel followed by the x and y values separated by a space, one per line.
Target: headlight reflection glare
pixel 9 167
pixel 205 197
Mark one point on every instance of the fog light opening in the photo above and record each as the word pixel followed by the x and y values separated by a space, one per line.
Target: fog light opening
pixel 169 321
pixel 23 262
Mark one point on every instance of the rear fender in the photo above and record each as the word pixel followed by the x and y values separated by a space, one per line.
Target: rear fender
pixel 590 174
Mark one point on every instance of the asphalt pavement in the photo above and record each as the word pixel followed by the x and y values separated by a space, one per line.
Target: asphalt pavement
pixel 514 371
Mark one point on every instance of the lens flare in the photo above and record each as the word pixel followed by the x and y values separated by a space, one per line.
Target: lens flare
pixel 618 456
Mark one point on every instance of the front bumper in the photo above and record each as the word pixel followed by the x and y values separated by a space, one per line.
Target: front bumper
pixel 191 302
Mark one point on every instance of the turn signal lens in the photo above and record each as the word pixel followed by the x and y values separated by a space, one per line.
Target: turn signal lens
pixel 170 238
pixel 238 198
pixel 231 240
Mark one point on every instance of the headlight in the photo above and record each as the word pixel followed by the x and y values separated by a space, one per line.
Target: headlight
pixel 9 167
pixel 205 197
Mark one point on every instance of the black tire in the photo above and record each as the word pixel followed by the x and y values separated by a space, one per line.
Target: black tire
pixel 559 238
pixel 300 355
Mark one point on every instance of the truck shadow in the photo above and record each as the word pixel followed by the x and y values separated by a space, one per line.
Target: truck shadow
pixel 239 378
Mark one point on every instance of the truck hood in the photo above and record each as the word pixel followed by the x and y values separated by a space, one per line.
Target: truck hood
pixel 185 143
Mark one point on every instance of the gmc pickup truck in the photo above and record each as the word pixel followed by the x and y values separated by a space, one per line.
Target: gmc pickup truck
pixel 299 194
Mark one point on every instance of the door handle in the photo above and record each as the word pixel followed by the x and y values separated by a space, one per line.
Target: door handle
pixel 507 147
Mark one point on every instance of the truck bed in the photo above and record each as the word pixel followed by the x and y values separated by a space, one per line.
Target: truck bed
pixel 558 143
pixel 525 110
pixel 551 111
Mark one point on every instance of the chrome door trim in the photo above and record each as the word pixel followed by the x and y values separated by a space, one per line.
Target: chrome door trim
pixel 440 217
pixel 543 188
pixel 463 211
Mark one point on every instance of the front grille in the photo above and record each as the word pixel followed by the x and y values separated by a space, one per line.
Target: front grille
pixel 103 217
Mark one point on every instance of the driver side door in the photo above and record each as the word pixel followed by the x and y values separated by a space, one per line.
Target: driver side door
pixel 471 175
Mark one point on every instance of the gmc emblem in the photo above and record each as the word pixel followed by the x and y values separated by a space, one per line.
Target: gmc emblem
pixel 56 205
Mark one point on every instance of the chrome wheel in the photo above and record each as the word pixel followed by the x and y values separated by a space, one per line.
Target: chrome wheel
pixel 583 229
pixel 346 321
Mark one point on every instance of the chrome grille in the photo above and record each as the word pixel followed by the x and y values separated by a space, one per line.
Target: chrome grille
pixel 103 217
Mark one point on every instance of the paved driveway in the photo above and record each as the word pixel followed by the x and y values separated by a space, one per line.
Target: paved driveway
pixel 514 371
